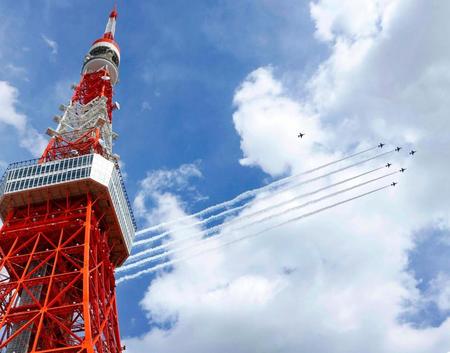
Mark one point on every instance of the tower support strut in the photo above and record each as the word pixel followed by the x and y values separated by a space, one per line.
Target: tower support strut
pixel 56 279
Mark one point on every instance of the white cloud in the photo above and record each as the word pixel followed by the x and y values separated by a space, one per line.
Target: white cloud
pixel 9 115
pixel 53 45
pixel 347 284
pixel 269 122
pixel 160 181
pixel 352 19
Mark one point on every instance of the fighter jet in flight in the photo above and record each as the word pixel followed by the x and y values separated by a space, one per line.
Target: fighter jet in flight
pixel 398 149
pixel 300 135
pixel 381 145
pixel 388 165
pixel 394 183
pixel 402 170
pixel 412 152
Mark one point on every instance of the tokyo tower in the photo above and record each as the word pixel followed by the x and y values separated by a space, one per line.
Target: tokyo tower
pixel 67 224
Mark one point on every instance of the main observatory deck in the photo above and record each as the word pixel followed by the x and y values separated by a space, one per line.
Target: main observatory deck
pixel 35 182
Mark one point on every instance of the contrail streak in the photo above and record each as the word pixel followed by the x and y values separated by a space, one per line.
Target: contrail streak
pixel 162 235
pixel 262 211
pixel 237 208
pixel 291 220
pixel 251 193
pixel 246 225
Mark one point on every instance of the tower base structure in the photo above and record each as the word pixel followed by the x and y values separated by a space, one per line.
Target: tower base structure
pixel 57 289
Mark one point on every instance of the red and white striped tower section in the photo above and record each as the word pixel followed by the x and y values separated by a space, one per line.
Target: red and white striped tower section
pixel 67 223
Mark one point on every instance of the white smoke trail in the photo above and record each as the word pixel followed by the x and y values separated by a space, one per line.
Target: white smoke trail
pixel 246 225
pixel 291 220
pixel 211 230
pixel 237 208
pixel 162 235
pixel 253 192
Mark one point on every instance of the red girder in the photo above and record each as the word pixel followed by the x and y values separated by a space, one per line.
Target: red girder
pixel 60 147
pixel 93 85
pixel 58 289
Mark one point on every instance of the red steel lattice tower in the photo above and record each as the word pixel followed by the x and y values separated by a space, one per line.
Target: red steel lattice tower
pixel 67 224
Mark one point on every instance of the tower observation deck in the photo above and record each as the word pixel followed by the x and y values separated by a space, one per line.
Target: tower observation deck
pixel 67 224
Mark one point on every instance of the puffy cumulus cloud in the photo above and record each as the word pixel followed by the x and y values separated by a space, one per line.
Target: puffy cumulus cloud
pixel 339 282
pixel 269 122
pixel 8 113
pixel 392 87
pixel 158 182
pixel 29 137
pixel 390 82
pixel 323 286
pixel 352 19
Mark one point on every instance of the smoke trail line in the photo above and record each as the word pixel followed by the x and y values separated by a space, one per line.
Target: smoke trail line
pixel 162 235
pixel 264 210
pixel 250 193
pixel 237 208
pixel 246 225
pixel 291 220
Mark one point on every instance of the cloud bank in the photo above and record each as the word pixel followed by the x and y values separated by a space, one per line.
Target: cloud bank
pixel 344 284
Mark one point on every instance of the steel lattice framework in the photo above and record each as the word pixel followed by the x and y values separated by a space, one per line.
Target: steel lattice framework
pixel 67 224
pixel 59 292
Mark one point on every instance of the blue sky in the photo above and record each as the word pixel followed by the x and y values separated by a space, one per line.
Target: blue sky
pixel 189 75
pixel 178 77
pixel 178 74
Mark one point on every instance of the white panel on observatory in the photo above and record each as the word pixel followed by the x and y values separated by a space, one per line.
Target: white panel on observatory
pixel 101 170
pixel 122 205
